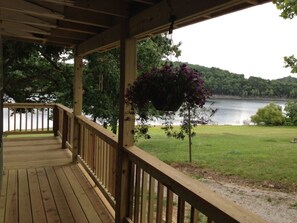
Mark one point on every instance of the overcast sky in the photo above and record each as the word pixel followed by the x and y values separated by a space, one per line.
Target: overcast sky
pixel 252 42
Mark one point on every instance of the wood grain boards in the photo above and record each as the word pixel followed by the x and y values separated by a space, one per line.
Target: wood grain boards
pixel 50 194
pixel 34 191
pixel 34 152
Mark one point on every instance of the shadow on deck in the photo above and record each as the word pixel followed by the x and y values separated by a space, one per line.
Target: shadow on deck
pixel 42 185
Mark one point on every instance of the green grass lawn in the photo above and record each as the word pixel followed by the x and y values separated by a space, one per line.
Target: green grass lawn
pixel 253 153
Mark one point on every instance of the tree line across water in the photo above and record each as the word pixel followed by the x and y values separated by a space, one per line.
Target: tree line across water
pixel 223 82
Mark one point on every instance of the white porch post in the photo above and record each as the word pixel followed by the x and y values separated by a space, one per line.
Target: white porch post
pixel 77 102
pixel 128 71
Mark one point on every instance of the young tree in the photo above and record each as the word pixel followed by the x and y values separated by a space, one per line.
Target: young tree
pixel 192 116
pixel 271 115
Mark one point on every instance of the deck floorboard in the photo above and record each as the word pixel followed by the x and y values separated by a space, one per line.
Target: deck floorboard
pixel 42 185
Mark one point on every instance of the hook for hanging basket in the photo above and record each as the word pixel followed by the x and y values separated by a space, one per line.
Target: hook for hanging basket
pixel 171 20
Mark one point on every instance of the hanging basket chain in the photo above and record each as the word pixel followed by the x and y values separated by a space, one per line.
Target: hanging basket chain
pixel 172 17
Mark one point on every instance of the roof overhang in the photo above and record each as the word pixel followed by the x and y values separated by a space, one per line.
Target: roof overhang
pixel 91 25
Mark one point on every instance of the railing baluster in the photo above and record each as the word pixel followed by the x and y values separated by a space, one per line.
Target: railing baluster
pixel 112 170
pixel 58 111
pixel 132 191
pixel 42 119
pixel 37 119
pixel 100 156
pixel 151 200
pixel 64 129
pixel 180 210
pixel 194 215
pixel 8 118
pixel 169 206
pixel 91 150
pixel 26 119
pixel 47 122
pixel 95 154
pixel 70 129
pixel 137 195
pixel 104 163
pixel 14 119
pixel 144 196
pixel 32 112
pixel 20 120
pixel 107 166
pixel 85 142
pixel 160 195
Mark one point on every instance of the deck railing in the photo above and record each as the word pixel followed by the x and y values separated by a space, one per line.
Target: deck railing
pixel 28 118
pixel 64 120
pixel 97 153
pixel 158 192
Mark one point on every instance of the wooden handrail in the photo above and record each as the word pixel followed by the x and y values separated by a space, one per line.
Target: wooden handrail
pixel 198 195
pixel 68 110
pixel 28 105
pixel 103 133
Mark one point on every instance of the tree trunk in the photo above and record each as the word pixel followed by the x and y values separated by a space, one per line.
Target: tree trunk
pixel 190 134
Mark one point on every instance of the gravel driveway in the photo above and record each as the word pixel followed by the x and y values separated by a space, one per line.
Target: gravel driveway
pixel 275 207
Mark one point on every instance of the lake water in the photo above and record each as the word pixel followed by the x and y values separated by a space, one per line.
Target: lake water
pixel 231 111
pixel 237 111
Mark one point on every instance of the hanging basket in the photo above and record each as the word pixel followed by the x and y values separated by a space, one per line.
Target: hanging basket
pixel 167 102
pixel 166 88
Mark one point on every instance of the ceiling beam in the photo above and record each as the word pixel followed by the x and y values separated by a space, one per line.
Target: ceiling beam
pixel 28 8
pixel 75 27
pixel 14 38
pixel 5 25
pixel 106 40
pixel 77 15
pixel 66 41
pixel 87 17
pixel 69 35
pixel 19 34
pixel 10 16
pixel 156 19
pixel 110 7
pixel 58 12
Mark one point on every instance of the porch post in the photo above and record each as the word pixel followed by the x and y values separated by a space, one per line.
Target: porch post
pixel 1 112
pixel 77 103
pixel 128 69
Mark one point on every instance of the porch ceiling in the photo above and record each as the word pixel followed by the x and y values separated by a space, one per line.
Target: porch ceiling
pixel 93 25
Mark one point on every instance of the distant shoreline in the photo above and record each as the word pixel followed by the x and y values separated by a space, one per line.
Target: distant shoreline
pixel 215 96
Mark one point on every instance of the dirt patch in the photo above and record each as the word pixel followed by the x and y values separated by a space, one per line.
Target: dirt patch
pixel 275 203
pixel 198 172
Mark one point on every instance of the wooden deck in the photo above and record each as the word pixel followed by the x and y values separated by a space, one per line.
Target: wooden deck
pixel 41 185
